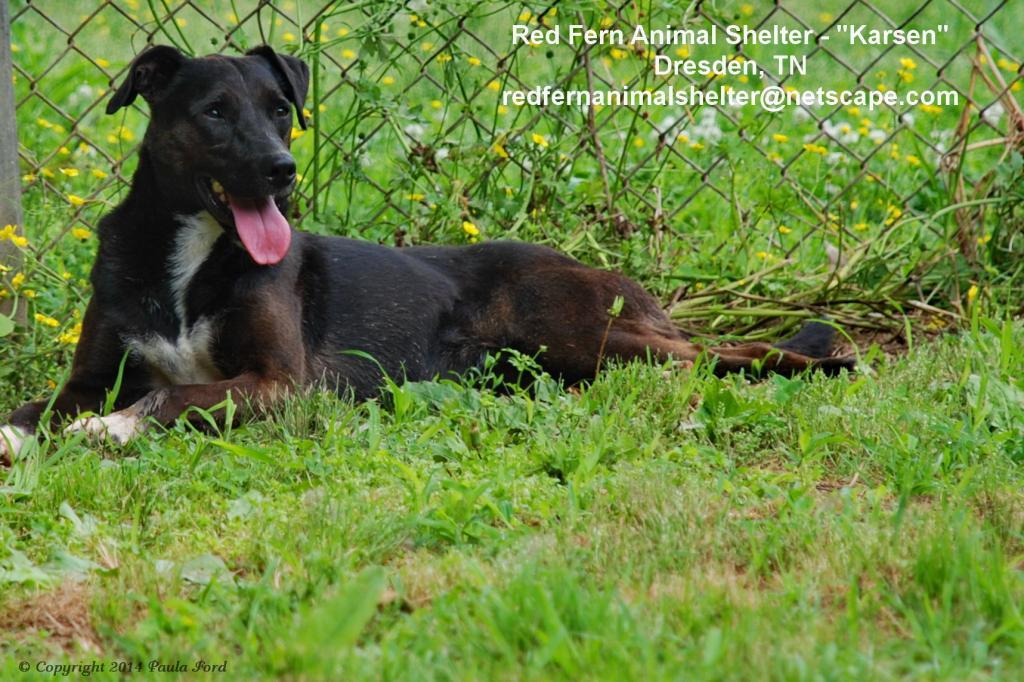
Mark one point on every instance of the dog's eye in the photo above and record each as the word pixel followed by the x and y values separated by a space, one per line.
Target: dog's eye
pixel 214 111
pixel 282 110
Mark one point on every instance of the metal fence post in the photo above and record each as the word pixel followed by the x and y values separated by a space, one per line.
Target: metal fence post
pixel 10 187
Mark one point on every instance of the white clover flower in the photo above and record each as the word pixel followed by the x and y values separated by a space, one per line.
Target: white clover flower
pixel 993 113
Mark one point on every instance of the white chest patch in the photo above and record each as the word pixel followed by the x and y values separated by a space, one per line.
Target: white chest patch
pixel 189 358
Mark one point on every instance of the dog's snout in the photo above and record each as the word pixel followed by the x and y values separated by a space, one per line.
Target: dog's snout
pixel 280 170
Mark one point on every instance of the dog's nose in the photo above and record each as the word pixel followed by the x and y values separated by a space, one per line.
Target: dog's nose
pixel 280 171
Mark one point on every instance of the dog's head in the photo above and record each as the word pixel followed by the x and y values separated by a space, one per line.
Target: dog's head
pixel 219 136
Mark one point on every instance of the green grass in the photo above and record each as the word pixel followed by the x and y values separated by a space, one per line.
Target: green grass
pixel 656 524
pixel 645 527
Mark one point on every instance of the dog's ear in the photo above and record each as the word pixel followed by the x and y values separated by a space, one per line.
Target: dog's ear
pixel 294 75
pixel 149 73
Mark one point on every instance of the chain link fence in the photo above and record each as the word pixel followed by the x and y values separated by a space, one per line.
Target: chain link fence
pixel 411 140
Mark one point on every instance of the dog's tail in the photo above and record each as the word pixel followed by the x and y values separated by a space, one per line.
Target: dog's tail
pixel 810 348
pixel 814 339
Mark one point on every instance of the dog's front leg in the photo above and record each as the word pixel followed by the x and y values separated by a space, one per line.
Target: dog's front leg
pixel 19 429
pixel 163 405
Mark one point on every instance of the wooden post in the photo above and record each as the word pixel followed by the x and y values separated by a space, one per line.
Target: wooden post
pixel 10 181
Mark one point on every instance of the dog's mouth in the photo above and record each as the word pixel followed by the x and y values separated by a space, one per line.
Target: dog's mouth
pixel 259 221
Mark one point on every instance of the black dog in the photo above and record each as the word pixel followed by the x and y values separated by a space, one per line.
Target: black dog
pixel 201 280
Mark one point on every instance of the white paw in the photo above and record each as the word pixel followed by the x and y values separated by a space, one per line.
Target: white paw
pixel 119 427
pixel 12 440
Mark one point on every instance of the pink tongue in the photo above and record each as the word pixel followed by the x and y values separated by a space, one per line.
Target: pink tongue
pixel 265 233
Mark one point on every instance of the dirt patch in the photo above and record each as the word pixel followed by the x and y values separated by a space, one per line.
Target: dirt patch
pixel 62 613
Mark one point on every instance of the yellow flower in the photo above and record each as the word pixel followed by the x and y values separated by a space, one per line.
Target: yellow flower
pixel 71 336
pixel 912 160
pixel 470 229
pixel 606 22
pixel 499 149
pixel 18 279
pixel 860 227
pixel 70 172
pixel 985 239
pixel 437 104
pixel 779 137
pixel 47 320
pixel 76 200
pixel 102 63
pixel 388 80
pixel 126 134
pixel 638 142
pixel 181 22
pixel 80 233
pixel 288 37
pixel 444 58
pixel 348 54
pixel 908 63
pixel 64 151
pixel 815 148
pixel 894 214
pixel 415 197
pixel 426 46
pixel 8 233
pixel 683 52
pixel 972 293
pixel 784 230
pixel 474 61
pixel 763 255
pixel 297 133
pixel 696 146
pixel 539 139
pixel 43 123
pixel 494 85
pixel 525 15
pixel 616 53
pixel 746 10
pixel 930 109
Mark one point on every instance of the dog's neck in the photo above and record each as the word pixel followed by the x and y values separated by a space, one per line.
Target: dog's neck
pixel 157 190
pixel 140 237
